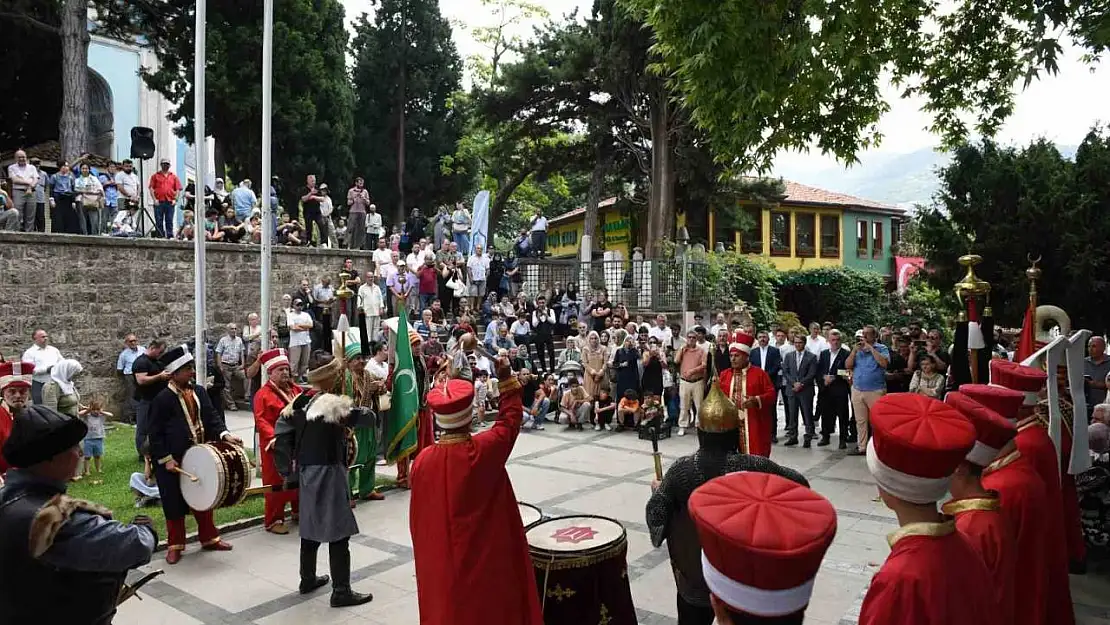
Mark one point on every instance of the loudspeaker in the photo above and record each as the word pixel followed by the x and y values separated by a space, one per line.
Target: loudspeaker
pixel 142 142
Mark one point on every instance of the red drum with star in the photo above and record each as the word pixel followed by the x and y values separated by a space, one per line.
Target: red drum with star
pixel 582 570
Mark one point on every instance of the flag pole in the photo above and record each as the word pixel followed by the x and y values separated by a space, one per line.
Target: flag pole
pixel 264 184
pixel 199 281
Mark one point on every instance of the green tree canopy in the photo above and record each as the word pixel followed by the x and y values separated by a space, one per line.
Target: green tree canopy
pixel 407 71
pixel 1009 205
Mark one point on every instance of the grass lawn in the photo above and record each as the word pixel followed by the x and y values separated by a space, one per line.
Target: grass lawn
pixel 120 461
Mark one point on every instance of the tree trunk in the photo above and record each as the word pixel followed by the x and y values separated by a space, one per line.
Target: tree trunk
pixel 505 189
pixel 593 198
pixel 661 210
pixel 73 125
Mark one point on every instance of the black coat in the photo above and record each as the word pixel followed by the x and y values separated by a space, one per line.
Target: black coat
pixel 839 385
pixel 774 362
pixel 170 436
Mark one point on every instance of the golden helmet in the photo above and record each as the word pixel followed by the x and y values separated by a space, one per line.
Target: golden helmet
pixel 717 412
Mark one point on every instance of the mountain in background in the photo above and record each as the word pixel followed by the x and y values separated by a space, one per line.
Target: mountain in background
pixel 899 179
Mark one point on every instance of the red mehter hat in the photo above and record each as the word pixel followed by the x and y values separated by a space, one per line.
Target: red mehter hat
pixel 16 374
pixel 916 444
pixel 1004 401
pixel 763 538
pixel 741 341
pixel 452 403
pixel 1029 380
pixel 992 431
pixel 273 358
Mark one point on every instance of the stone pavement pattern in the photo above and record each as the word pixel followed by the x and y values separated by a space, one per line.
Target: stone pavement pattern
pixel 562 473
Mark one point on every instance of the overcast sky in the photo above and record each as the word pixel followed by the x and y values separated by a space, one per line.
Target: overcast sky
pixel 1061 108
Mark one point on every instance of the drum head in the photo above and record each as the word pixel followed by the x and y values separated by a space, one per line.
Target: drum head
pixel 575 533
pixel 203 462
pixel 529 514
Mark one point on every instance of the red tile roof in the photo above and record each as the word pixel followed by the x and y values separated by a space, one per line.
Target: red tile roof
pixel 603 204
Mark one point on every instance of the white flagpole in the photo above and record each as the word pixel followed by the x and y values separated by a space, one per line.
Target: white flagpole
pixel 264 185
pixel 200 146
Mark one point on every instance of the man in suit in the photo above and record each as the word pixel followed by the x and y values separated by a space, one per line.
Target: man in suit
pixel 799 369
pixel 769 358
pixel 833 391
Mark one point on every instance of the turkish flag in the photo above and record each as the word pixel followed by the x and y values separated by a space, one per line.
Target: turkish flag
pixel 1027 343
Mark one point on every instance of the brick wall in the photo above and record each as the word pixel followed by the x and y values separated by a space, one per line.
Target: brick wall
pixel 89 292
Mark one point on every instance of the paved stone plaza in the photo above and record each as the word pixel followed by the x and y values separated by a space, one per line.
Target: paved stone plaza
pixel 562 473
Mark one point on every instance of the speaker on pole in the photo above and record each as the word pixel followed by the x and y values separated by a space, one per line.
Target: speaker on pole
pixel 142 142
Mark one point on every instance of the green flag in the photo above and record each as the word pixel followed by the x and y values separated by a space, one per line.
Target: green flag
pixel 400 427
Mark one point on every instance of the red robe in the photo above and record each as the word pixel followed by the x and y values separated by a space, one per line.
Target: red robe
pixel 269 401
pixel 6 422
pixel 1023 499
pixel 1035 444
pixel 988 532
pixel 931 577
pixel 467 532
pixel 753 382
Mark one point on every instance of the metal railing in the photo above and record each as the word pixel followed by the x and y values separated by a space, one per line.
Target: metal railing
pixel 641 285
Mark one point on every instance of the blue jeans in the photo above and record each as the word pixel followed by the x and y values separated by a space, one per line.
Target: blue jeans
pixel 163 219
pixel 538 416
pixel 426 301
pixel 462 239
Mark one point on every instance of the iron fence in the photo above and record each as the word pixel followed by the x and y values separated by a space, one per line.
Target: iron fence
pixel 641 285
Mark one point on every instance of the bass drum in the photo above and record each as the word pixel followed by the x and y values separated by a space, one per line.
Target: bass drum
pixel 223 473
pixel 529 514
pixel 352 446
pixel 582 570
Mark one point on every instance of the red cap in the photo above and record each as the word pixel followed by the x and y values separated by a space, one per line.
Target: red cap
pixel 1006 402
pixel 741 341
pixel 763 538
pixel 916 444
pixel 452 403
pixel 1017 376
pixel 16 374
pixel 992 431
pixel 273 358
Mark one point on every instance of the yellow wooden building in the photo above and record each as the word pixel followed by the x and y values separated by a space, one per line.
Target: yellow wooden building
pixel 807 228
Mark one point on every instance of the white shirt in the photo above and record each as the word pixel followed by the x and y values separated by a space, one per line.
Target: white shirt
pixel 763 356
pixel 128 184
pixel 374 225
pixel 28 173
pixel 382 257
pixel 370 299
pixel 414 260
pixel 663 335
pixel 299 337
pixel 816 345
pixel 785 350
pixel 379 370
pixel 482 363
pixel 478 267
pixel 44 358
pixel 717 327
pixel 123 222
pixel 539 224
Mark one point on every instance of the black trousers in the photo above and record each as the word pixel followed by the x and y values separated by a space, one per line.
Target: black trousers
pixel 339 561
pixel 689 614
pixel 544 342
pixel 832 404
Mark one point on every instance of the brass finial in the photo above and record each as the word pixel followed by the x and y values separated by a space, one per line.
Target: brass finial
pixel 971 285
pixel 1033 273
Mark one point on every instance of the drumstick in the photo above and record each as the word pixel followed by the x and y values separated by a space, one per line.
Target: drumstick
pixel 192 478
pixel 655 455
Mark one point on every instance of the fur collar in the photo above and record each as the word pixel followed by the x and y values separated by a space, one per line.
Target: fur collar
pixel 55 514
pixel 329 408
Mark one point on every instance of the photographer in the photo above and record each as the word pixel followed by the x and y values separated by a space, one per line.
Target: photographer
pixel 929 345
pixel 867 362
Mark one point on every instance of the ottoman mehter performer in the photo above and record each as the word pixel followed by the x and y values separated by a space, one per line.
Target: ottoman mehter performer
pixel 311 450
pixel 182 415
pixel 364 390
pixel 465 523
pixel 278 392
pixel 408 426
pixel 62 560
pixel 763 538
pixel 667 510
pixel 751 389
pixel 15 389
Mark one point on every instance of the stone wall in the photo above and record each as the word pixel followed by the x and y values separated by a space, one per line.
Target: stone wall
pixel 89 292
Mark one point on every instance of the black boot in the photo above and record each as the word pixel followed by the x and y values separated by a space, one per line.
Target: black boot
pixel 807 441
pixel 824 441
pixel 339 558
pixel 309 580
pixel 791 441
pixel 843 445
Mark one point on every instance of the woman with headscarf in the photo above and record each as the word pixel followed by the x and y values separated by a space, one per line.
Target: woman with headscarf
pixel 626 362
pixel 61 392
pixel 594 359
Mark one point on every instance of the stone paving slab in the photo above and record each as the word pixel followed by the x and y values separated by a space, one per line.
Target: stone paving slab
pixel 562 473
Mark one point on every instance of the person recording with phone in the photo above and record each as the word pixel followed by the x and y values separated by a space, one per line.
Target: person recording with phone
pixel 867 362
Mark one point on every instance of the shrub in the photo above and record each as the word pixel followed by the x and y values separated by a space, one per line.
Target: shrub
pixel 849 298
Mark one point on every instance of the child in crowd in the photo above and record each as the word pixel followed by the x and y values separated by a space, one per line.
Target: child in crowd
pixel 212 230
pixel 603 410
pixel 341 232
pixel 94 416
pixel 481 393
pixel 628 411
pixel 651 412
pixel 188 226
pixel 395 239
pixel 289 231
